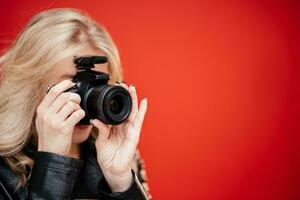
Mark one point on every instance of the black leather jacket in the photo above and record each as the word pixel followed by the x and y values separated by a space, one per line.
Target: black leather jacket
pixel 59 177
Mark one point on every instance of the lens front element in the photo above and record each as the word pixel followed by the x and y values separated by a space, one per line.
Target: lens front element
pixel 110 103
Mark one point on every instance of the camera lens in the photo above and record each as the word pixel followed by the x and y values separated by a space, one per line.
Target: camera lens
pixel 109 103
pixel 116 105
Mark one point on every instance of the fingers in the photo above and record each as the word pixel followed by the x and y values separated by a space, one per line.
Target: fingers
pixel 67 110
pixel 100 125
pixel 138 121
pixel 104 131
pixel 60 105
pixel 123 85
pixel 137 115
pixel 55 91
pixel 75 117
pixel 134 108
pixel 64 98
pixel 136 126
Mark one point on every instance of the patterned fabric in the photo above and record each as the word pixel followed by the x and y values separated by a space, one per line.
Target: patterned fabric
pixel 139 168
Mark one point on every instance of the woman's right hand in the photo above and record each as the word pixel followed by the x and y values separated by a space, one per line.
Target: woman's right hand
pixel 57 115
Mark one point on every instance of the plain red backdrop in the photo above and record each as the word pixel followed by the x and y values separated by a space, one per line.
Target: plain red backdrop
pixel 222 81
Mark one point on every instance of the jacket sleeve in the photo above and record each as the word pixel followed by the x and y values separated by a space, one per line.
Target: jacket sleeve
pixel 135 191
pixel 138 190
pixel 53 176
pixel 139 168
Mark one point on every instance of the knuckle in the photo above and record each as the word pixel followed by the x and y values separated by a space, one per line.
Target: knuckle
pixel 54 91
pixel 76 115
pixel 65 96
pixel 70 104
pixel 59 126
pixel 77 96
pixel 53 125
pixel 80 113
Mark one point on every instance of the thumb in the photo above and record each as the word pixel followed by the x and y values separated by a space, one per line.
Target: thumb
pixel 104 131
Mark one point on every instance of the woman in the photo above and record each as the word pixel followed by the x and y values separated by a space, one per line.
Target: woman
pixel 44 154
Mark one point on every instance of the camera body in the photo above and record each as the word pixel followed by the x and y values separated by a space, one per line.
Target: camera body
pixel 110 104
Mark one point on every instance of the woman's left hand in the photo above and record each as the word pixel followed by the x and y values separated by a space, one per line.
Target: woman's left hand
pixel 116 145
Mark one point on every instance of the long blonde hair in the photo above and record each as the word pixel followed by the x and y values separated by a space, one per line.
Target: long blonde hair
pixel 49 37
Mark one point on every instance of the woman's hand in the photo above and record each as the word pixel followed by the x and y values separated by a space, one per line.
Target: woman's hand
pixel 57 115
pixel 116 145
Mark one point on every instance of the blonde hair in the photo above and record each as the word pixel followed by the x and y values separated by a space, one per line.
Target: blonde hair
pixel 49 37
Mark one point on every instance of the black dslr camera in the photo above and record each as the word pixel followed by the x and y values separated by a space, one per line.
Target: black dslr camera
pixel 109 103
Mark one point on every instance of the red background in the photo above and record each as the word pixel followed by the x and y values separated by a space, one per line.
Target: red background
pixel 222 79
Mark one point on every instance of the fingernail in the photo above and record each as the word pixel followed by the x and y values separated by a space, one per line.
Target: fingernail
pixel 47 90
pixel 91 122
pixel 132 86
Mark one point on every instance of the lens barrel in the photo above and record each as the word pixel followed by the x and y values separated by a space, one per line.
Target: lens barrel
pixel 109 103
